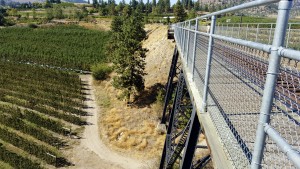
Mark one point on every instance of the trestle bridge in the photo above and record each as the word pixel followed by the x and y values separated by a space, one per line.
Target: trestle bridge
pixel 239 85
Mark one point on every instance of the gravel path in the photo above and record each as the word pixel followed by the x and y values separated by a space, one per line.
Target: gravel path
pixel 91 141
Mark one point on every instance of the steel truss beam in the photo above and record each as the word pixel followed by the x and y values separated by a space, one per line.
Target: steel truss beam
pixel 183 131
pixel 175 66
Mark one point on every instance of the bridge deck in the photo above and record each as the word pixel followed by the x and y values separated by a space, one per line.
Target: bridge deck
pixel 234 101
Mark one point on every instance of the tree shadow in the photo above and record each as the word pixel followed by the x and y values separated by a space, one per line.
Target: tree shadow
pixel 62 162
pixel 148 96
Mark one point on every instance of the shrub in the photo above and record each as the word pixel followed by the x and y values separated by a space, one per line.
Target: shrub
pixel 160 98
pixel 101 71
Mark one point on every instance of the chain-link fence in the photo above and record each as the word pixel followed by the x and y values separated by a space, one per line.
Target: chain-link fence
pixel 252 96
pixel 258 32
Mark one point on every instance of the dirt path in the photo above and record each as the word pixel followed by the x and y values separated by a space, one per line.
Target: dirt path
pixel 93 143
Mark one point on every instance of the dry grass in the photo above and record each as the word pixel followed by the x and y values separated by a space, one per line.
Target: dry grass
pixel 131 130
pixel 100 24
pixel 5 165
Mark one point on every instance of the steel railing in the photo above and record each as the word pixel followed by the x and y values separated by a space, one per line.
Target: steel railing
pixel 250 87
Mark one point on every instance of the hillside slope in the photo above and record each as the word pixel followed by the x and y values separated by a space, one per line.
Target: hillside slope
pixel 131 130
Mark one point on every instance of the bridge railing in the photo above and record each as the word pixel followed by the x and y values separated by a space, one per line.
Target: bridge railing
pixel 258 32
pixel 251 90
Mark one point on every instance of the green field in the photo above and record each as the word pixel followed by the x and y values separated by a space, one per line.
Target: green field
pixel 72 47
pixel 37 106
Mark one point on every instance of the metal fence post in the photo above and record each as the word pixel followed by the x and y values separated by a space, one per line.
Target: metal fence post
pixel 183 40
pixel 239 31
pixel 247 31
pixel 232 30
pixel 288 36
pixel 227 32
pixel 188 44
pixel 222 32
pixel 208 64
pixel 194 50
pixel 270 33
pixel 270 85
pixel 191 142
pixel 181 36
pixel 257 31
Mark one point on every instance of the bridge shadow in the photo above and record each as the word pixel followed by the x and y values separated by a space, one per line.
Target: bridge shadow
pixel 148 96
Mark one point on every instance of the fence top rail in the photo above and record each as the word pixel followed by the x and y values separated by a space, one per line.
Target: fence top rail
pixel 254 45
pixel 254 23
pixel 236 8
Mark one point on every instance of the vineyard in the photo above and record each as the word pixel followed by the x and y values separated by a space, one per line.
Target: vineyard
pixel 71 47
pixel 38 108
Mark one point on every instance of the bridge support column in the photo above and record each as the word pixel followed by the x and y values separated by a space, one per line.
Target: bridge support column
pixel 270 85
pixel 190 147
pixel 170 85
pixel 166 145
pixel 208 64
pixel 179 125
pixel 183 130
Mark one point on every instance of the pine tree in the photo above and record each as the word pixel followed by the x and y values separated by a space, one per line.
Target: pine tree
pixel 141 6
pixel 148 7
pixel 58 13
pixel 153 6
pixel 2 20
pixel 192 14
pixel 154 3
pixel 49 14
pixel 179 12
pixel 167 6
pixel 33 13
pixel 112 8
pixel 47 4
pixel 126 11
pixel 95 3
pixel 197 6
pixel 160 6
pixel 189 7
pixel 128 54
pixel 134 4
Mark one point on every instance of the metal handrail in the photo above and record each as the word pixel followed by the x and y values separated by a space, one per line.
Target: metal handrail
pixel 275 51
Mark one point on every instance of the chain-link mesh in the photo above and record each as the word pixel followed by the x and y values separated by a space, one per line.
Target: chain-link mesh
pixel 191 51
pixel 258 32
pixel 293 38
pixel 285 116
pixel 200 61
pixel 235 81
